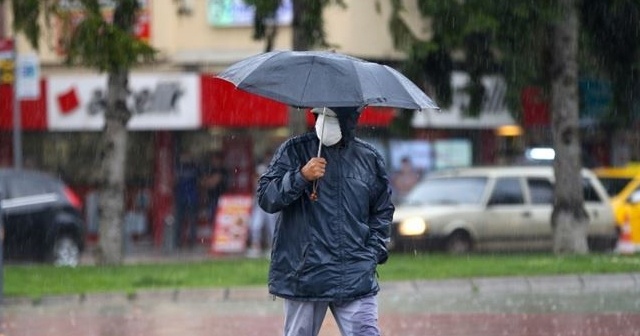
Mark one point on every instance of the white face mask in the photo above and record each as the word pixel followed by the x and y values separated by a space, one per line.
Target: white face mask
pixel 331 133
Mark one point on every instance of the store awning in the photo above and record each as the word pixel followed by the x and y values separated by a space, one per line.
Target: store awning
pixel 225 106
pixel 371 116
pixel 222 105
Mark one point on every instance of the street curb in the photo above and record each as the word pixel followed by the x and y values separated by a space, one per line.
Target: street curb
pixel 235 294
pixel 589 283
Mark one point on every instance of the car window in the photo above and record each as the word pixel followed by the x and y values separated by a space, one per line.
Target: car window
pixel 29 186
pixel 507 191
pixel 541 190
pixel 590 194
pixel 447 190
pixel 614 185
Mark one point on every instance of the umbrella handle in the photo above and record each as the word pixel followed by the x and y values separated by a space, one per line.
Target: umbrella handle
pixel 324 109
pixel 314 194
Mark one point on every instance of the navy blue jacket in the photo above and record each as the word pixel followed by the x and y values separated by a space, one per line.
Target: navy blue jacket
pixel 327 250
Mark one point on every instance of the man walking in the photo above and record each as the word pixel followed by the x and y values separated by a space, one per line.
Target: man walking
pixel 335 211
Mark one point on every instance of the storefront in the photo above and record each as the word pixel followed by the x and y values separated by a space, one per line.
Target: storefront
pixel 172 114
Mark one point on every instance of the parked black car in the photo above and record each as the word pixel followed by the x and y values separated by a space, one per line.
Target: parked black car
pixel 42 218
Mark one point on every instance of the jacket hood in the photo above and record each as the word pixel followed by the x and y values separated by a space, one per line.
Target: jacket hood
pixel 348 119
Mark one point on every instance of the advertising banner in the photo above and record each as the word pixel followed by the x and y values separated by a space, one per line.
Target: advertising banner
pixel 450 153
pixel 231 227
pixel 236 13
pixel 419 151
pixel 157 102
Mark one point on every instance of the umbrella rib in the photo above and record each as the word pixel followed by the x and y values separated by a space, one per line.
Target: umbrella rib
pixel 306 83
pixel 360 90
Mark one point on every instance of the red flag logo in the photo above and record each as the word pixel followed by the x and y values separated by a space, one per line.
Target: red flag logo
pixel 68 101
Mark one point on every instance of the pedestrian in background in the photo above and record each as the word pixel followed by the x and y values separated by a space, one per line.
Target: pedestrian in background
pixel 335 212
pixel 262 223
pixel 215 182
pixel 186 200
pixel 404 179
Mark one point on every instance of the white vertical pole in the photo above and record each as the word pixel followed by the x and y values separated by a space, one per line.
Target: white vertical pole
pixel 17 122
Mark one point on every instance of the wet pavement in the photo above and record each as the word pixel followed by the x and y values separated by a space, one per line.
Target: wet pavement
pixel 590 305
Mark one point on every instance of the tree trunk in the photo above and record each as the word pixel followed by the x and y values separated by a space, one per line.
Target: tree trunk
pixel 114 142
pixel 569 219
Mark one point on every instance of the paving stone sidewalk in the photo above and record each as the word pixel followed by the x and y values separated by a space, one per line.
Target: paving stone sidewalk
pixel 550 305
pixel 590 305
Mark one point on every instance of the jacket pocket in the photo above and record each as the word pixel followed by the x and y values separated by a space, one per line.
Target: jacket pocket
pixel 303 260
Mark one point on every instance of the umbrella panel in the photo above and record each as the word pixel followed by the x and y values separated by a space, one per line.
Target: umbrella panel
pixel 316 79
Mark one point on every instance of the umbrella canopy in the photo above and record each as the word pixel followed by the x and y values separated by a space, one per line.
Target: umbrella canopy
pixel 325 79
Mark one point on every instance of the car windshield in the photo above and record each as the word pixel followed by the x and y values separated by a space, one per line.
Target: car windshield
pixel 614 185
pixel 447 190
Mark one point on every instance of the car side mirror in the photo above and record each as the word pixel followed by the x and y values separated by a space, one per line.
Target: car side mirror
pixel 634 198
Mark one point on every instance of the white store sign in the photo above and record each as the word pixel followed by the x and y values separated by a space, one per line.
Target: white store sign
pixel 157 101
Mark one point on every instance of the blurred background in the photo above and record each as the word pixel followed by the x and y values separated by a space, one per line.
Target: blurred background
pixel 488 66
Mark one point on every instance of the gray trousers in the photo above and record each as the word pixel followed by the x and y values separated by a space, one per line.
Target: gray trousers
pixel 354 318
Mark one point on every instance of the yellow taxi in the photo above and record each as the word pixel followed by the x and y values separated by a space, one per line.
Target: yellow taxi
pixel 623 186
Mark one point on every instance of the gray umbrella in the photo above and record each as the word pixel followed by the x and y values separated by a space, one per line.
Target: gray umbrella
pixel 323 78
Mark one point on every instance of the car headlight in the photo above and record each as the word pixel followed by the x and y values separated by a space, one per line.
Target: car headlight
pixel 413 226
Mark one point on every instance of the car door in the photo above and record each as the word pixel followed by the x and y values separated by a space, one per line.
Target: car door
pixel 541 195
pixel 633 209
pixel 506 214
pixel 601 218
pixel 27 207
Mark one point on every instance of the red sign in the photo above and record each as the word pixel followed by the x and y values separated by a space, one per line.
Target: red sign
pixel 33 111
pixel 535 107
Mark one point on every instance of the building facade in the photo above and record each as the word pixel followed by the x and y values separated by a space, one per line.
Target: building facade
pixel 179 107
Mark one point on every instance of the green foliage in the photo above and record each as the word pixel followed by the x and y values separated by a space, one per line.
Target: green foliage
pixel 27 13
pixel 94 35
pixel 307 19
pixel 95 42
pixel 512 38
pixel 40 280
pixel 611 30
pixel 487 36
pixel 98 44
pixel 265 11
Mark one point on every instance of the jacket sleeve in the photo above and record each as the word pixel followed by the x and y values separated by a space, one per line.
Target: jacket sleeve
pixel 381 215
pixel 282 183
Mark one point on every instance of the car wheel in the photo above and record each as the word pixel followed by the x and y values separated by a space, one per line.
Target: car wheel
pixel 66 252
pixel 459 243
pixel 602 244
